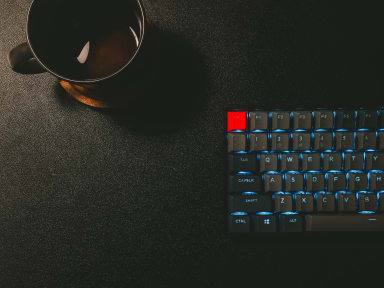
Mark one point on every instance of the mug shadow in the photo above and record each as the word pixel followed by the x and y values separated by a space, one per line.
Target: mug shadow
pixel 172 88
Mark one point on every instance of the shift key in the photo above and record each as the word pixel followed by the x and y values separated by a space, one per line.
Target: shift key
pixel 244 183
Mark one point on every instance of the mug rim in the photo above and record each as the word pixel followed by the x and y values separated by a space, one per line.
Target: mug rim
pixel 89 81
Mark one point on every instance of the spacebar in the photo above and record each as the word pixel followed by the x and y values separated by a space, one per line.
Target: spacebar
pixel 343 222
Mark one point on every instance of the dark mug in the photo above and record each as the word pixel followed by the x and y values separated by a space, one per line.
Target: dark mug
pixel 94 47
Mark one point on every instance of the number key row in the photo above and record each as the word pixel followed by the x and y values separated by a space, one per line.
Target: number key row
pixel 318 141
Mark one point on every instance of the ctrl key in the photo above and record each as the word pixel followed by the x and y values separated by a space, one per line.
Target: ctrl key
pixel 239 222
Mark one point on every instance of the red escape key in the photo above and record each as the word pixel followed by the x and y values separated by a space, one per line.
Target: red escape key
pixel 236 120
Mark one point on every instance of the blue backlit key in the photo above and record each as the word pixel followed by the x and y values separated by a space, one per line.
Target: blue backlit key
pixel 283 202
pixel 315 182
pixel 325 202
pixel 265 222
pixel 302 120
pixel 332 161
pixel 273 182
pixel 244 183
pixel 354 161
pixel 357 182
pixel 366 119
pixel 346 202
pixel 376 181
pixel 374 161
pixel 291 222
pixel 239 222
pixel 310 161
pixel 323 119
pixel 365 140
pixel 237 142
pixel 268 162
pixel 280 120
pixel 250 202
pixel 289 162
pixel 367 201
pixel 294 182
pixel 279 141
pixel 242 162
pixel 258 120
pixel 322 141
pixel 345 119
pixel 301 141
pixel 304 202
pixel 336 182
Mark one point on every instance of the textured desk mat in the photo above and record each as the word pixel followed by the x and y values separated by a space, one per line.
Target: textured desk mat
pixel 99 199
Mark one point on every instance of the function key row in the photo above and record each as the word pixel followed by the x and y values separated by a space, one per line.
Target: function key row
pixel 300 141
pixel 304 120
pixel 264 162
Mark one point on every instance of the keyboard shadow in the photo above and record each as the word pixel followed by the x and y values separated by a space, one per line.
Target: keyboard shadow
pixel 172 89
pixel 169 88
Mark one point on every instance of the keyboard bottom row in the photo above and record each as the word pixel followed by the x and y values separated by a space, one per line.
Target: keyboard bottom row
pixel 295 222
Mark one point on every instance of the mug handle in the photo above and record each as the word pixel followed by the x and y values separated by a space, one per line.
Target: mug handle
pixel 23 61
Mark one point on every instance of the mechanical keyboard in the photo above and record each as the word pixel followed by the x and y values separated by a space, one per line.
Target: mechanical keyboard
pixel 296 171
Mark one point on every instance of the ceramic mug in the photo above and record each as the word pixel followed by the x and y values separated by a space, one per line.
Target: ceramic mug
pixel 93 47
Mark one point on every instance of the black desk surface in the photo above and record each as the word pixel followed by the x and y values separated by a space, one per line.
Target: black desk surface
pixel 88 199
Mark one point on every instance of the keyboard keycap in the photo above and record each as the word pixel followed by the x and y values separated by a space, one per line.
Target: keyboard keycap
pixel 294 182
pixel 239 223
pixel 367 201
pixel 258 120
pixel 265 222
pixel 273 182
pixel 346 202
pixel 332 161
pixel 304 202
pixel 237 142
pixel 279 141
pixel 380 140
pixel 345 120
pixel 315 182
pixel 353 161
pixel 365 140
pixel 236 120
pixel 336 182
pixel 357 222
pixel 301 141
pixel 302 120
pixel 258 141
pixel 268 162
pixel 291 222
pixel 344 140
pixel 357 182
pixel 374 161
pixel 283 202
pixel 310 161
pixel 323 119
pixel 381 202
pixel 323 140
pixel 376 181
pixel 244 183
pixel 280 120
pixel 290 162
pixel 250 203
pixel 242 162
pixel 366 119
pixel 325 202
